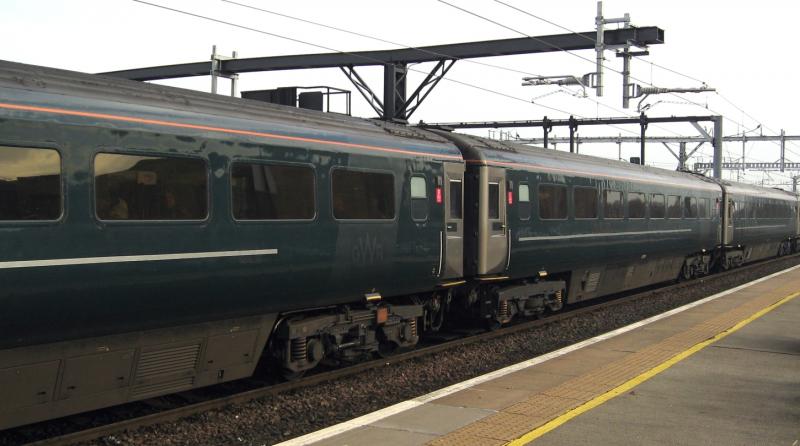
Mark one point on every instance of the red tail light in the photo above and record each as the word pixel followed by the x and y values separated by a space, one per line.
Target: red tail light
pixel 510 197
pixel 438 195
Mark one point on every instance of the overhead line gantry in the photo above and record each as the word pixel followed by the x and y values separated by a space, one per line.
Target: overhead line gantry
pixel 396 104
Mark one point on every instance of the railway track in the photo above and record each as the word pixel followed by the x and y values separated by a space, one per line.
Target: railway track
pixel 194 408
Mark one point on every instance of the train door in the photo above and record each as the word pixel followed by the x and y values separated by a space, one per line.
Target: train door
pixel 728 208
pixel 797 218
pixel 454 220
pixel 493 244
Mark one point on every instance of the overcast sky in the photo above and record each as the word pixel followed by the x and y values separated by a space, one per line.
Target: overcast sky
pixel 741 48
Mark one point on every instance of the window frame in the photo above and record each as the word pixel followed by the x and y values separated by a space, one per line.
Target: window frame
pixel 411 197
pixel 395 212
pixel 645 207
pixel 539 201
pixel 274 163
pixel 500 198
pixel 62 182
pixel 114 151
pixel 663 206
pixel 687 213
pixel 622 201
pixel 707 202
pixel 680 206
pixel 450 182
pixel 596 203
pixel 519 201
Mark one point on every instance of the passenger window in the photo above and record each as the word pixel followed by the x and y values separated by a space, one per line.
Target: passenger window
pixel 419 198
pixel 524 204
pixel 30 184
pixel 272 192
pixel 133 187
pixel 585 202
pixel 636 205
pixel 494 201
pixel 690 207
pixel 552 202
pixel 612 204
pixel 673 206
pixel 362 195
pixel 455 199
pixel 657 209
pixel 703 208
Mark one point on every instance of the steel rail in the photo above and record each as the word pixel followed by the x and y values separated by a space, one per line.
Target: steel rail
pixel 249 395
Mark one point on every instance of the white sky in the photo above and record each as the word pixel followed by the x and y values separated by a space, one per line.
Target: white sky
pixel 741 48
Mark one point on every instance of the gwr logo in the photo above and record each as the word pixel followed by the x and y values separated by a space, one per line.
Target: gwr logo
pixel 367 250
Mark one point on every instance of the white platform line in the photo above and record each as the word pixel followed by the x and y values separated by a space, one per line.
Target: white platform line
pixel 378 415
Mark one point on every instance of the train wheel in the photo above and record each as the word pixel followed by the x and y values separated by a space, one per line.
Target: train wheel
pixel 686 272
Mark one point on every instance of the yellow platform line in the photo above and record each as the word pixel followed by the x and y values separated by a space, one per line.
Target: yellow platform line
pixel 633 382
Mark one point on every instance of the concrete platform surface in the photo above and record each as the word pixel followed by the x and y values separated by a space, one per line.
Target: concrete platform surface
pixel 683 378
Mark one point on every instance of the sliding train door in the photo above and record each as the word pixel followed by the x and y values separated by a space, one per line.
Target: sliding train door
pixel 493 233
pixel 454 220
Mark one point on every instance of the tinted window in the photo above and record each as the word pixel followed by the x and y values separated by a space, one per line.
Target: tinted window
pixel 612 204
pixel 494 200
pixel 30 184
pixel 524 202
pixel 657 209
pixel 585 202
pixel 132 187
pixel 703 207
pixel 690 207
pixel 455 199
pixel 673 206
pixel 552 202
pixel 363 195
pixel 636 205
pixel 272 192
pixel 419 198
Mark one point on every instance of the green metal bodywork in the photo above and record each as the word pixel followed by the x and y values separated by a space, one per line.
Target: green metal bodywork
pixel 319 263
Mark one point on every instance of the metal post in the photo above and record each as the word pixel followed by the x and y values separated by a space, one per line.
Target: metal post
pixel 794 183
pixel 783 149
pixel 744 145
pixel 546 129
pixel 718 147
pixel 389 96
pixel 643 128
pixel 619 148
pixel 214 69
pixel 599 47
pixel 682 158
pixel 626 78
pixel 573 126
pixel 234 80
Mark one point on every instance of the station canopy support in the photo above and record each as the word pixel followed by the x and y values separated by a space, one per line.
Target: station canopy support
pixel 396 104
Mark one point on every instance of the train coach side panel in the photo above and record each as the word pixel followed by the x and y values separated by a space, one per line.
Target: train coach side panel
pixel 604 253
pixel 149 274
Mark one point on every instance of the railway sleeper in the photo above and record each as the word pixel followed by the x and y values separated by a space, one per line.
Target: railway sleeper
pixel 524 299
pixel 300 343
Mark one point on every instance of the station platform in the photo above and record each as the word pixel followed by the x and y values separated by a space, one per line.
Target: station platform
pixel 723 370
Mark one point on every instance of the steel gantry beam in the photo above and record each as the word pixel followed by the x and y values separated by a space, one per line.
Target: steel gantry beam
pixel 396 104
pixel 573 124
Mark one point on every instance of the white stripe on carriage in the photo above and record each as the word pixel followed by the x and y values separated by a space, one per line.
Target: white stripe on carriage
pixel 140 258
pixel 760 227
pixel 601 234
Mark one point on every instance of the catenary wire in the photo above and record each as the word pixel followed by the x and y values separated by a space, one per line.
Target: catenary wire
pixel 523 11
pixel 577 55
pixel 371 37
pixel 247 28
